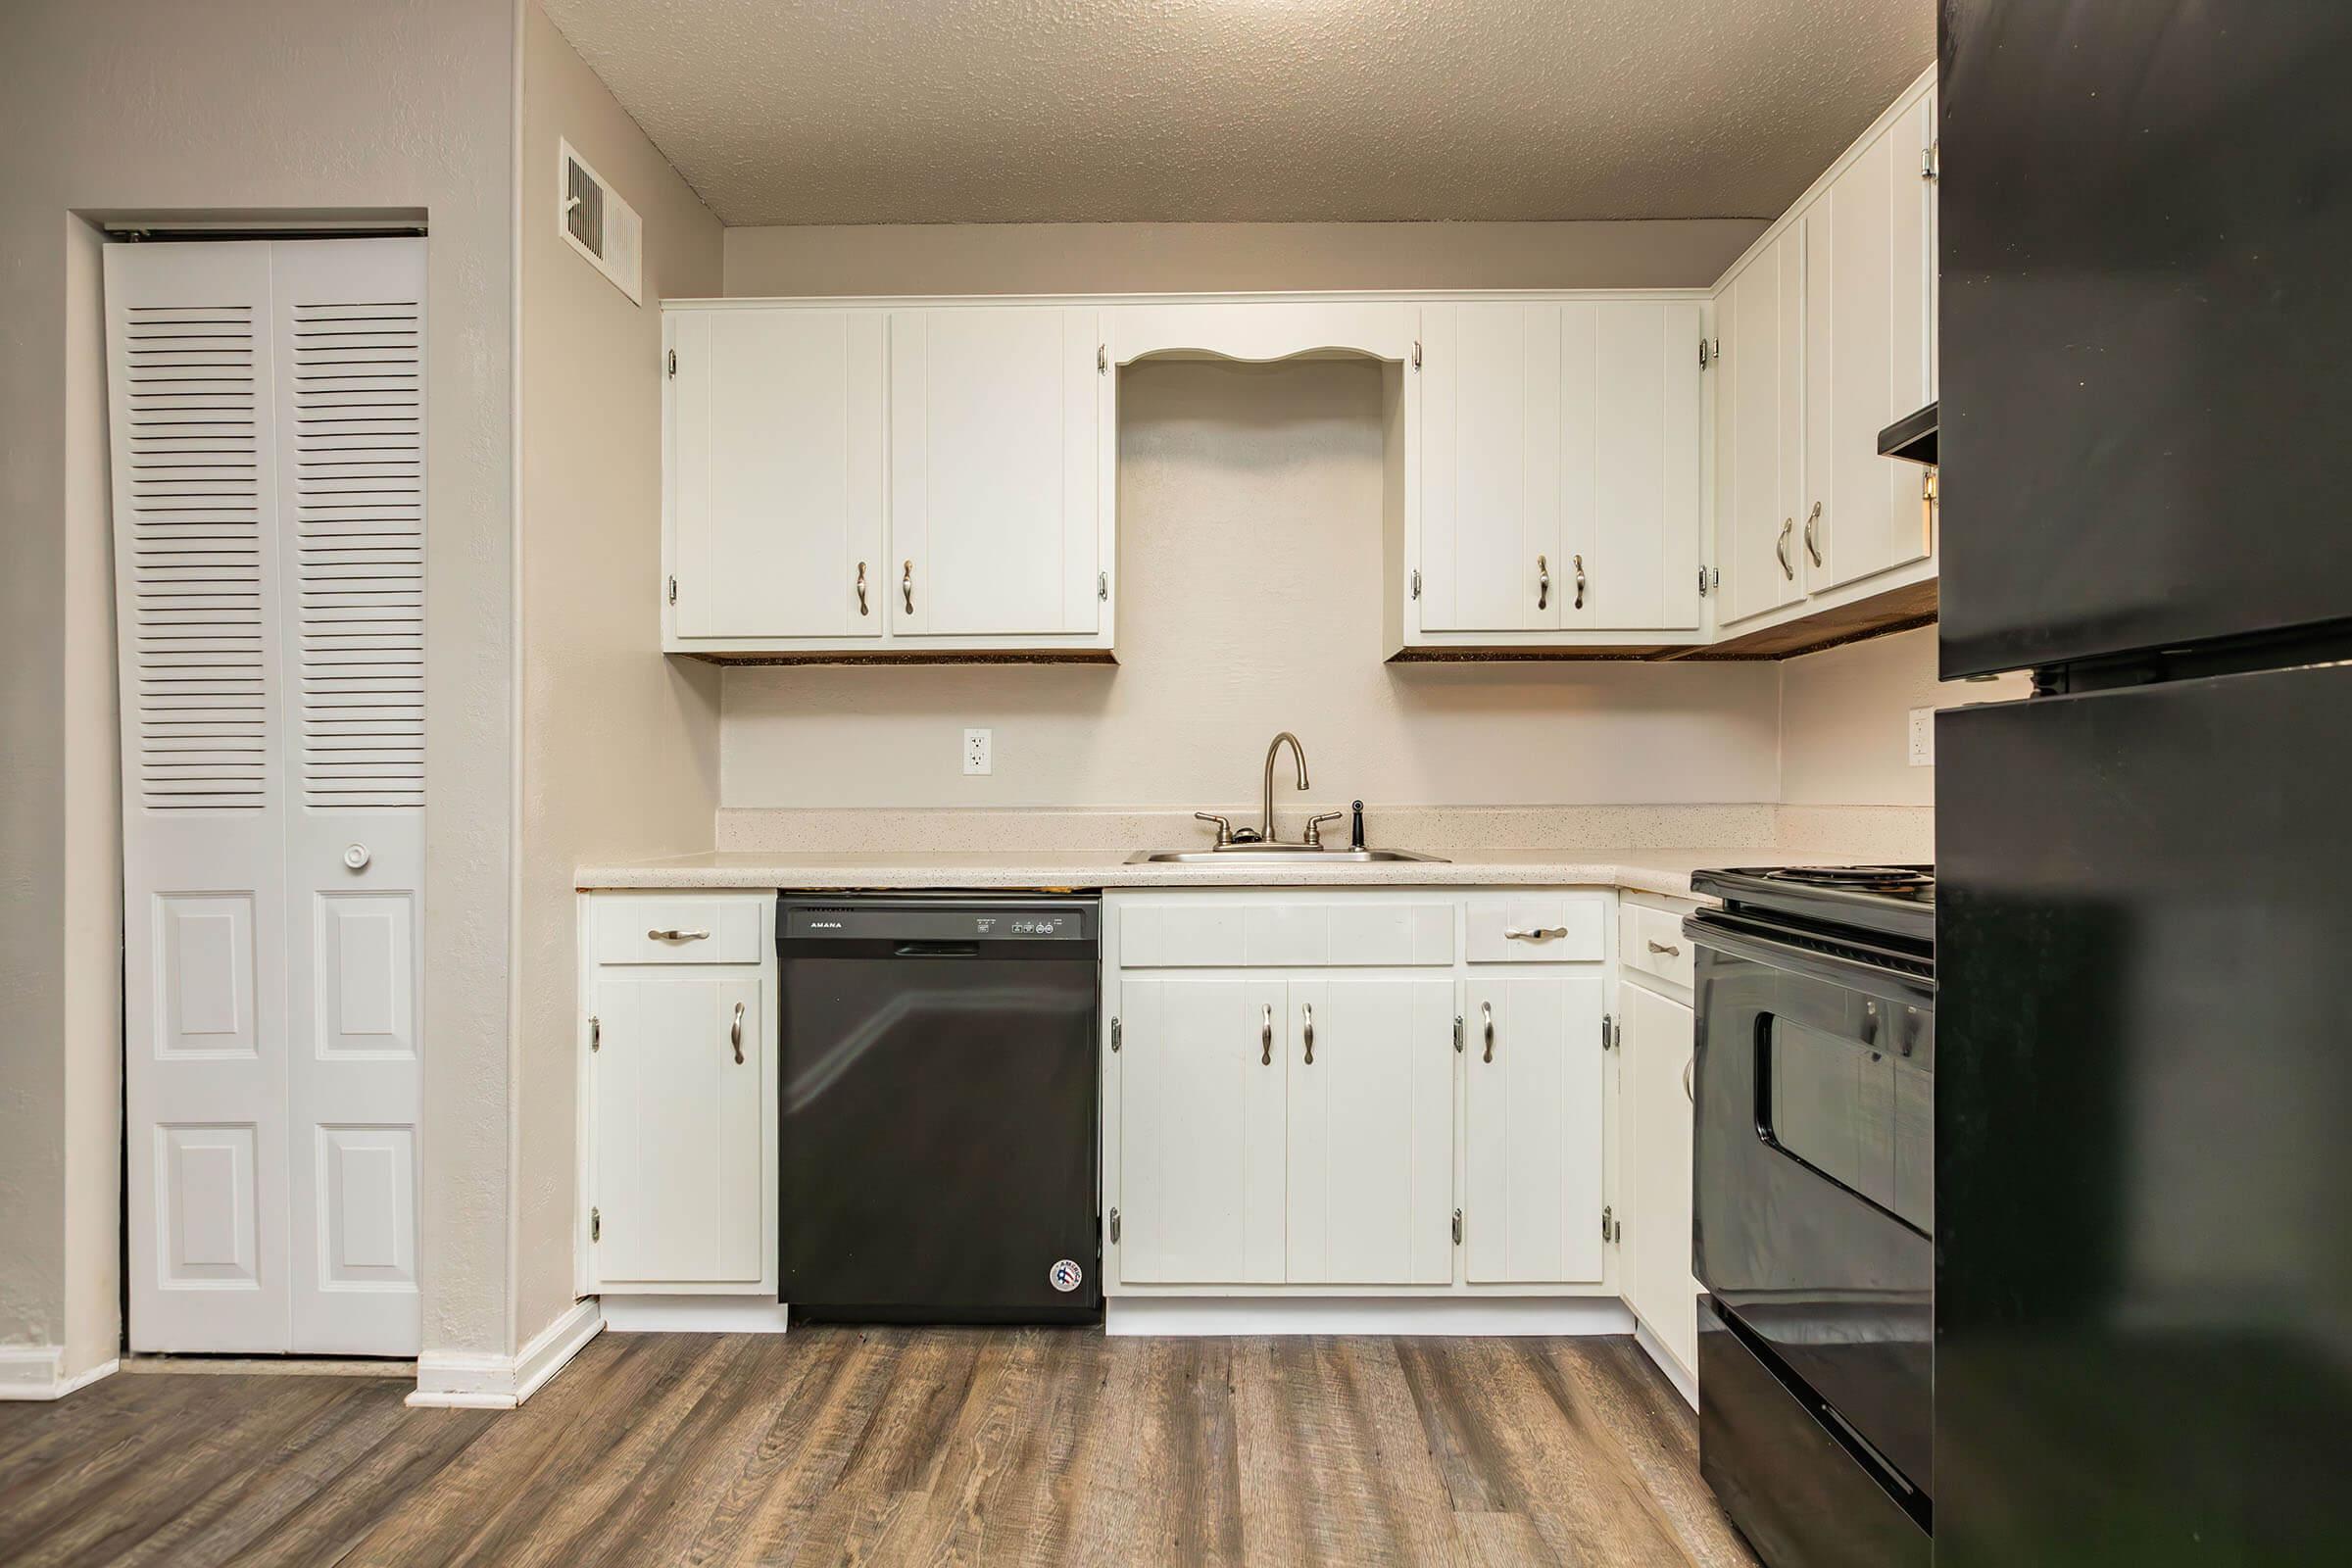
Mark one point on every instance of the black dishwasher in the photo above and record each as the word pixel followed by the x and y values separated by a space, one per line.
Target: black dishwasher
pixel 941 1088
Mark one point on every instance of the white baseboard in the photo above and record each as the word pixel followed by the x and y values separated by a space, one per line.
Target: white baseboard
pixel 475 1380
pixel 1192 1315
pixel 693 1314
pixel 38 1372
pixel 1683 1383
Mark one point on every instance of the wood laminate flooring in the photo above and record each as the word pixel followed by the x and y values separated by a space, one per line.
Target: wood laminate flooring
pixel 892 1446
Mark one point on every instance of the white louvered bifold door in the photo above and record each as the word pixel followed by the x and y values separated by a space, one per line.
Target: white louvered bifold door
pixel 268 570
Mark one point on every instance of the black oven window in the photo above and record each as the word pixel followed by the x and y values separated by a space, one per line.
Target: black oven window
pixel 1858 1114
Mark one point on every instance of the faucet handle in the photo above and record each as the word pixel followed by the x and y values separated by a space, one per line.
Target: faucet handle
pixel 1314 825
pixel 1224 827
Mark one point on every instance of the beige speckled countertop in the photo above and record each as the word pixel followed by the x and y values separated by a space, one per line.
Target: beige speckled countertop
pixel 1646 870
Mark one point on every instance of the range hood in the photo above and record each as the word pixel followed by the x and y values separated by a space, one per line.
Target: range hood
pixel 1911 438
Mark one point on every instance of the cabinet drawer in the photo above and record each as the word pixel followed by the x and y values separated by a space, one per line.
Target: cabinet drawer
pixel 720 930
pixel 1539 928
pixel 1651 941
pixel 1185 934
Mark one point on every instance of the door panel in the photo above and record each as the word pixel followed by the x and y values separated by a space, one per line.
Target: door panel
pixel 1203 1088
pixel 777 469
pixel 1640 561
pixel 1655 1110
pixel 994 459
pixel 1533 1042
pixel 679 1177
pixel 1759 428
pixel 1370 1132
pixel 1491 403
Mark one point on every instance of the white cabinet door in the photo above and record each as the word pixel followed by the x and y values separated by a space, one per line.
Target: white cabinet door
pixel 1630 461
pixel 1866 365
pixel 1533 1209
pixel 1370 1064
pixel 994 420
pixel 1202 1078
pixel 776 473
pixel 1535 1127
pixel 1491 468
pixel 681 1179
pixel 1759 430
pixel 1655 1115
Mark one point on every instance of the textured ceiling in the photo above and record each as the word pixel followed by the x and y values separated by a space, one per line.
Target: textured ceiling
pixel 1027 110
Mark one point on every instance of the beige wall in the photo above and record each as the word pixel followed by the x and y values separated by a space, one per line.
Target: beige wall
pixel 1196 258
pixel 247 106
pixel 1846 719
pixel 1249 546
pixel 620 745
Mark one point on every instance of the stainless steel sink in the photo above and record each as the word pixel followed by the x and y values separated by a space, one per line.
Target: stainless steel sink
pixel 1290 854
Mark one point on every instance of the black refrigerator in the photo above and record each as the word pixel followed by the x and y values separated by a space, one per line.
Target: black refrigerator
pixel 2143 1287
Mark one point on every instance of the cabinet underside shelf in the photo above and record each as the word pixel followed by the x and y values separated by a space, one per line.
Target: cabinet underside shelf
pixel 1895 609
pixel 916 656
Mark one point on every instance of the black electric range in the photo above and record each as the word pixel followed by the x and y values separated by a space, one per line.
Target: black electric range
pixel 1814 1206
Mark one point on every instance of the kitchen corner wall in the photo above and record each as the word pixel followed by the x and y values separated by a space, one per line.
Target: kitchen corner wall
pixel 619 748
pixel 1846 716
pixel 1249 506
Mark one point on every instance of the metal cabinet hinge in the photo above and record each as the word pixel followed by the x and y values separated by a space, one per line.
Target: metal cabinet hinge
pixel 674 590
pixel 1114 1226
pixel 673 365
pixel 1101 359
pixel 596 1033
pixel 1416 354
pixel 1702 583
pixel 1102 586
pixel 1457 1227
pixel 1116 1033
pixel 1710 352
pixel 1458 1047
pixel 596 1225
pixel 1608 1032
pixel 1931 162
pixel 1416 582
pixel 1610 1230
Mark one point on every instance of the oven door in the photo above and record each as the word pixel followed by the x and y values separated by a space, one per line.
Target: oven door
pixel 1813 1178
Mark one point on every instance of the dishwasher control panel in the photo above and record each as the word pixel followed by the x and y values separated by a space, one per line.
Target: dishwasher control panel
pixel 941 920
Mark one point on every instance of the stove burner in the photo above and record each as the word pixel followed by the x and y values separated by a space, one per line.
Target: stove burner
pixel 1871 878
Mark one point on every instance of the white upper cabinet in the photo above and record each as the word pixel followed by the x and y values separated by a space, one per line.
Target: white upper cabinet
pixel 1560 472
pixel 867 480
pixel 994 436
pixel 1828 331
pixel 776 473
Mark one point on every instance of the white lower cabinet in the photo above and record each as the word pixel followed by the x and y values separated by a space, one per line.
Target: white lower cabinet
pixel 1654 1111
pixel 1535 1168
pixel 1343 1124
pixel 679 1175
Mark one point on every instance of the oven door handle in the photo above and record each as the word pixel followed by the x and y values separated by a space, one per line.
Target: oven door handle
pixel 1827 967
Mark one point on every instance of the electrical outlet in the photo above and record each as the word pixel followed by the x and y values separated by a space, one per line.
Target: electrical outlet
pixel 979 750
pixel 1922 737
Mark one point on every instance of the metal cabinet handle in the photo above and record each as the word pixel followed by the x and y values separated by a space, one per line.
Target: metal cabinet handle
pixel 1813 533
pixel 1578 561
pixel 1686 1066
pixel 906 585
pixel 1542 583
pixel 1309 1010
pixel 676 934
pixel 1779 548
pixel 1534 933
pixel 862 605
pixel 1485 1015
pixel 735 1034
pixel 1265 1038
pixel 1672 949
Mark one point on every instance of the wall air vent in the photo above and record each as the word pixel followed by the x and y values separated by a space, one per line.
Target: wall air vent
pixel 595 222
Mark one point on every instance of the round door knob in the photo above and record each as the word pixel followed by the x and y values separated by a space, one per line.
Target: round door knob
pixel 356 857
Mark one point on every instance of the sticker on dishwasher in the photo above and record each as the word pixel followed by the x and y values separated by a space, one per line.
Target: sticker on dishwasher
pixel 1065 1275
